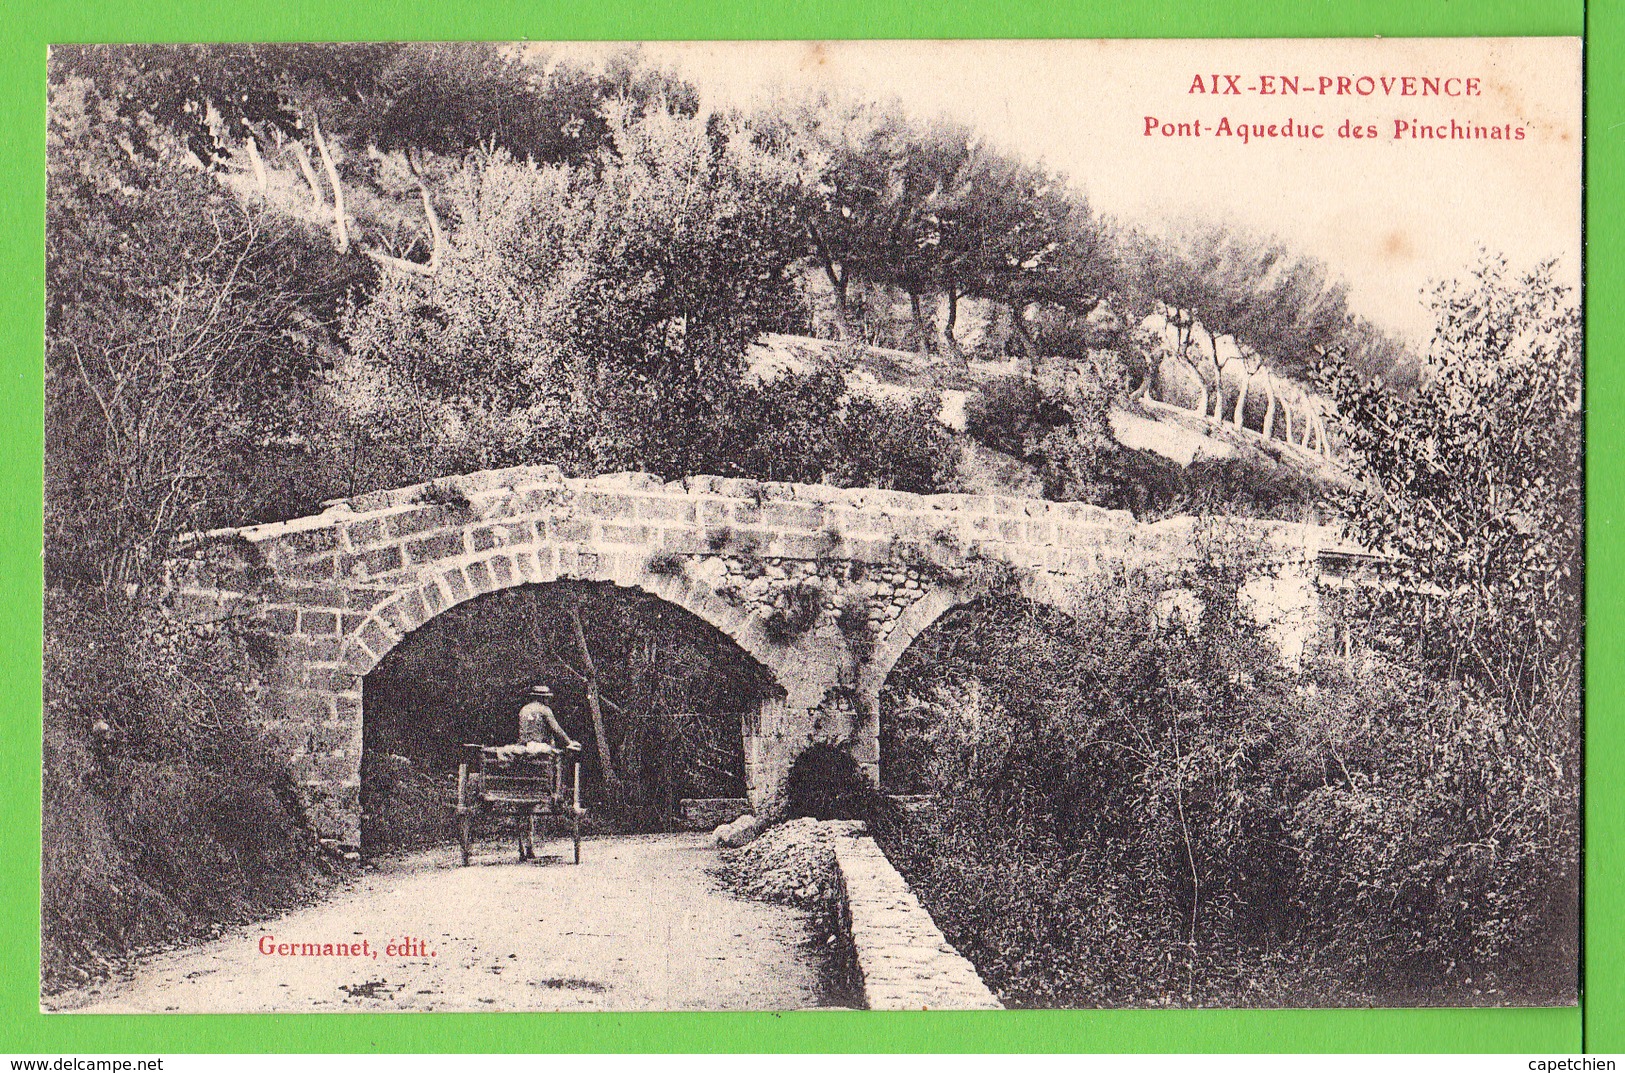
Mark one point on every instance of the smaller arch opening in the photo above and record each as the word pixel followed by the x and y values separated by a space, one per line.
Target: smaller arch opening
pixel 934 703
pixel 824 782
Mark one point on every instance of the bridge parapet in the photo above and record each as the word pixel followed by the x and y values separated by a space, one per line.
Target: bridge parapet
pixel 824 587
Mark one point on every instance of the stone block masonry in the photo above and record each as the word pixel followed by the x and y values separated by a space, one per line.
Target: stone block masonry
pixel 824 587
pixel 903 960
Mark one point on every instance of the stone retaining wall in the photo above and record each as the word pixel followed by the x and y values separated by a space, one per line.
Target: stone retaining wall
pixel 903 960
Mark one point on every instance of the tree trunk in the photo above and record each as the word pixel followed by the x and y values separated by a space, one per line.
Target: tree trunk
pixel 341 227
pixel 1218 378
pixel 1184 335
pixel 437 239
pixel 593 705
pixel 1024 338
pixel 1241 397
pixel 922 342
pixel 303 159
pixel 843 309
pixel 257 164
pixel 949 323
pixel 1269 408
pixel 1144 389
pixel 1286 417
pixel 838 281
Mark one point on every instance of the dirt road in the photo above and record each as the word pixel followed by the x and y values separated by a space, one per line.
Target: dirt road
pixel 639 925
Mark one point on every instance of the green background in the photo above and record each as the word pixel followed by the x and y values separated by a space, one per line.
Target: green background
pixel 27 27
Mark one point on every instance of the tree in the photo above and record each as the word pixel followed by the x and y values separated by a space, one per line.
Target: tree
pixel 357 126
pixel 989 229
pixel 909 256
pixel 599 734
pixel 1075 272
pixel 1253 302
pixel 1378 355
pixel 449 98
pixel 180 361
pixel 852 146
pixel 1473 483
pixel 932 208
pixel 1168 284
pixel 596 318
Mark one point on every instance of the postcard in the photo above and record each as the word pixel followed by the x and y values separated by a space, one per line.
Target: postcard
pixel 894 525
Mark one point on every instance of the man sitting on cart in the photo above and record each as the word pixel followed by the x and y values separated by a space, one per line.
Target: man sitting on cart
pixel 539 733
pixel 538 724
pixel 531 778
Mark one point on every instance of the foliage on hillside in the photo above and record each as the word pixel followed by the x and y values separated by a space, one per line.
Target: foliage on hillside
pixel 1059 426
pixel 457 256
pixel 164 813
pixel 179 368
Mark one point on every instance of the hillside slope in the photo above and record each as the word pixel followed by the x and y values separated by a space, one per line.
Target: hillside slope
pixel 1142 425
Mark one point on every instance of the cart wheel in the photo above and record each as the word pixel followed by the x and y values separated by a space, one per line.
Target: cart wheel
pixel 465 836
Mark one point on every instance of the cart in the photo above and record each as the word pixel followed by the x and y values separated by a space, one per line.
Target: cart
pixel 521 781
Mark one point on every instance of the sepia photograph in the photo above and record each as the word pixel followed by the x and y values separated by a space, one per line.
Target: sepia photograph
pixel 781 525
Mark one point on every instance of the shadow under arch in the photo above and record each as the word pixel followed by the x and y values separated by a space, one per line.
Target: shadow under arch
pixel 681 699
pixel 925 612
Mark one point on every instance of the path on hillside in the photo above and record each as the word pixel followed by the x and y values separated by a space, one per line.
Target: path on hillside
pixel 639 925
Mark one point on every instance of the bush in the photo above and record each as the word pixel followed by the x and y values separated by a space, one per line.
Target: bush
pixel 1442 843
pixel 1009 409
pixel 406 803
pixel 1152 486
pixel 1058 423
pixel 164 812
pixel 806 428
pixel 1136 810
pixel 798 614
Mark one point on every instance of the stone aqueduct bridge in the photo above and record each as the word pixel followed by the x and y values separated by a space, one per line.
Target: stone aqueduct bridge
pixel 824 587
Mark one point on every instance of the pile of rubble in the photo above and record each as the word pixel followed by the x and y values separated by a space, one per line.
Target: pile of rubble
pixel 793 862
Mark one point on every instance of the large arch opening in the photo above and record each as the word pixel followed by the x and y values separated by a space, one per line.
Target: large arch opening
pixel 674 700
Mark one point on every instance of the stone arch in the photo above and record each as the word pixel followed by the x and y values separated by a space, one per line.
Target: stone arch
pixel 800 676
pixel 352 582
pixel 450 584
pixel 1039 587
